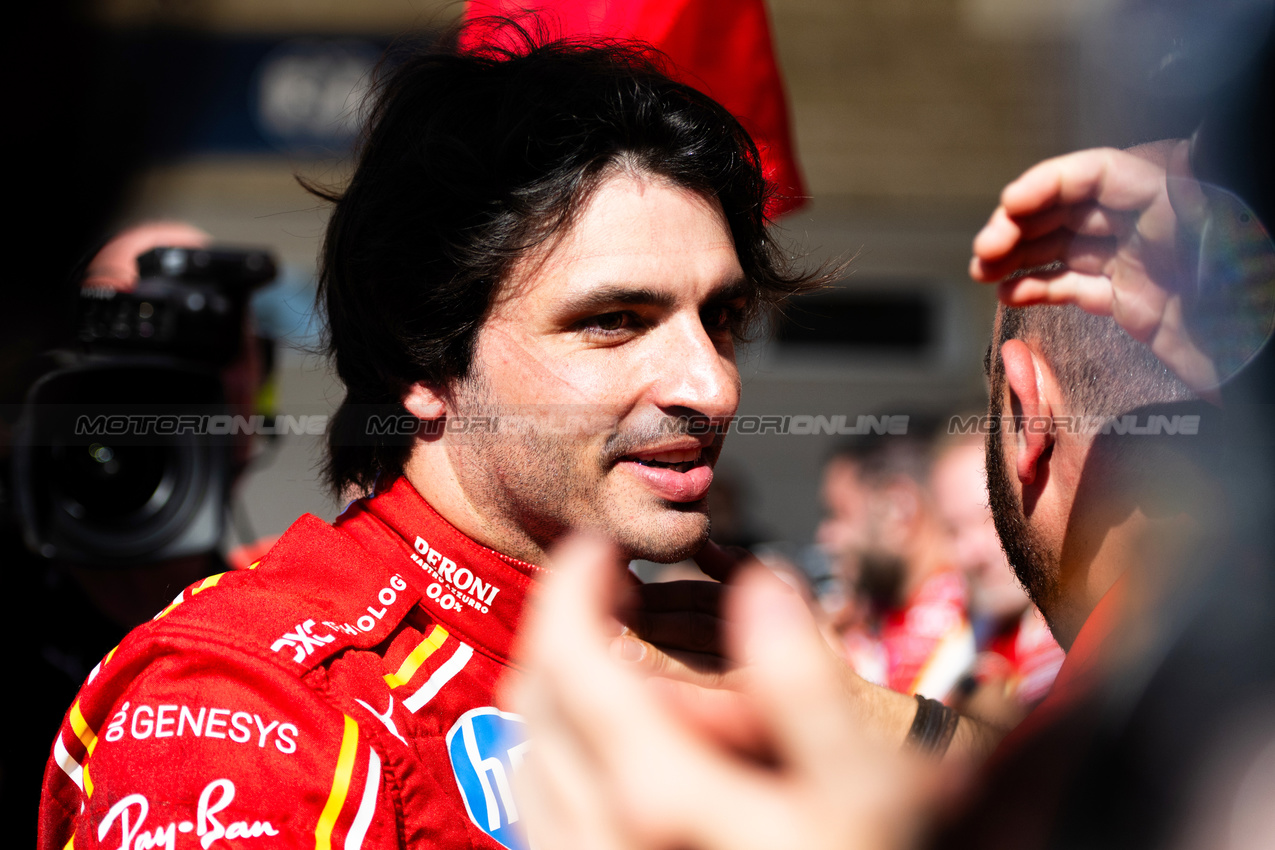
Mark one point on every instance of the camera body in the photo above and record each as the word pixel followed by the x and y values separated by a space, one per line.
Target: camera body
pixel 124 451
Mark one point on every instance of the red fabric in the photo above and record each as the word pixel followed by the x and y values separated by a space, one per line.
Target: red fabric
pixel 265 704
pixel 1080 672
pixel 721 47
pixel 924 646
pixel 914 634
pixel 1025 657
pixel 245 556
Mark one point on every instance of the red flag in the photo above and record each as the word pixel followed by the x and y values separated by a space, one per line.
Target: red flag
pixel 721 47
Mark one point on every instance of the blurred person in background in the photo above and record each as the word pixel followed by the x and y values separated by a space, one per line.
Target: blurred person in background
pixel 1017 656
pixel 83 140
pixel 127 596
pixel 903 623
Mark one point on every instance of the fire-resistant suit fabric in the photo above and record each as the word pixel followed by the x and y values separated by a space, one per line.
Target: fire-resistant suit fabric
pixel 340 693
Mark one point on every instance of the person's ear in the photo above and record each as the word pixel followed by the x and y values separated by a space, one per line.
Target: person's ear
pixel 1034 433
pixel 424 402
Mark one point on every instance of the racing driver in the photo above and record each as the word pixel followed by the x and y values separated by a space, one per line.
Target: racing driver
pixel 534 282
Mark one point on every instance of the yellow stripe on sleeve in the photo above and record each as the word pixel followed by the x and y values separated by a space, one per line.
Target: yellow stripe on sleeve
pixel 413 661
pixel 340 785
pixel 162 614
pixel 80 727
pixel 88 783
pixel 70 845
pixel 211 581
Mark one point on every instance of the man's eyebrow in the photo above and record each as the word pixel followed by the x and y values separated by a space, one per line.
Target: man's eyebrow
pixel 619 295
pixel 606 297
pixel 733 291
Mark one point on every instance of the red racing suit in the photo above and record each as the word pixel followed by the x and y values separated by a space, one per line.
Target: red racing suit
pixel 339 694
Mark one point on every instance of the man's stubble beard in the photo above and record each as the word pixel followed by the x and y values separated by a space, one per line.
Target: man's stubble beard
pixel 1036 567
pixel 527 477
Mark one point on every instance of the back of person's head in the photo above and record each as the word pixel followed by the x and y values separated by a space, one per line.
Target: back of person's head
pixel 1100 369
pixel 475 157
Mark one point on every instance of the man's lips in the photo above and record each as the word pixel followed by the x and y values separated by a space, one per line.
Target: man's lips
pixel 678 474
pixel 679 459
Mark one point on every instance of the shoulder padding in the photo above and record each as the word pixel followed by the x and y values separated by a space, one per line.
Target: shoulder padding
pixel 314 594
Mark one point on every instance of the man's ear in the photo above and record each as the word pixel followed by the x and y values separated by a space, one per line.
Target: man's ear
pixel 1034 434
pixel 424 402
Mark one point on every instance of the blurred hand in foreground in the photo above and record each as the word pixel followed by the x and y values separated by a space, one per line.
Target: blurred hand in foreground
pixel 1182 267
pixel 623 759
pixel 675 628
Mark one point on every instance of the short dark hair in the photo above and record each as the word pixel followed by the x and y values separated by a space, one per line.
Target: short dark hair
pixel 471 157
pixel 1101 370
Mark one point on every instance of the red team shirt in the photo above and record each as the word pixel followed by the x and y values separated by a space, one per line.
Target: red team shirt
pixel 923 647
pixel 1025 658
pixel 340 694
pixel 929 642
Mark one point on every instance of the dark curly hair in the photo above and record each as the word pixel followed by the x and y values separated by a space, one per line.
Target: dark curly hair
pixel 473 156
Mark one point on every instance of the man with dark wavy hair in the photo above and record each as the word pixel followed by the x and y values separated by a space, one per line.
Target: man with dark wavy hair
pixel 534 283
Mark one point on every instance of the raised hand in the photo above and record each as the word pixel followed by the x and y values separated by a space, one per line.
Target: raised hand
pixel 1185 268
pixel 622 761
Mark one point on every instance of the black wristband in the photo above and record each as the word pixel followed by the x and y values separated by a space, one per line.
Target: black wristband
pixel 932 728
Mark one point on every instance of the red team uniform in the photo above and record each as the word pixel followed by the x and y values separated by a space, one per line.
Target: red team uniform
pixel 337 695
pixel 1024 658
pixel 923 647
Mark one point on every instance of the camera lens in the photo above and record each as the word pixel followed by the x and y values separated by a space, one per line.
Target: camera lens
pixel 104 482
pixel 115 466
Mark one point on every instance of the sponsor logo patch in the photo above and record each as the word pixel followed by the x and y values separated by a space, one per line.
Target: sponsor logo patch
pixel 485 746
pixel 454 586
pixel 211 822
pixel 304 640
pixel 173 720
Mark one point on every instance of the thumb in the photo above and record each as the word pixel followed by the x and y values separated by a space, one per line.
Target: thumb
pixel 585 580
pixel 721 562
pixel 643 657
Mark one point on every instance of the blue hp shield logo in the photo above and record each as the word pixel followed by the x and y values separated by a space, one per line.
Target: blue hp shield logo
pixel 485 745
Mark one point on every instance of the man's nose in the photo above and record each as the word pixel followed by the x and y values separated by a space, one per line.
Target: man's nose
pixel 697 376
